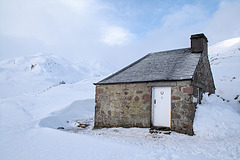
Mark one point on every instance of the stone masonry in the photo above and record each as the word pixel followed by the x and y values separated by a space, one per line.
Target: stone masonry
pixel 129 105
pixel 203 77
pixel 123 105
pixel 183 108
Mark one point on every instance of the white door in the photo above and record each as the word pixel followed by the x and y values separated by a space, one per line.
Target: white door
pixel 161 106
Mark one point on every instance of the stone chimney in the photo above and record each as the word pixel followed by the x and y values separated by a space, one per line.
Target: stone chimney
pixel 199 44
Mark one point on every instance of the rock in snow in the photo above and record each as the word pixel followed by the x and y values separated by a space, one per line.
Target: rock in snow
pixel 40 115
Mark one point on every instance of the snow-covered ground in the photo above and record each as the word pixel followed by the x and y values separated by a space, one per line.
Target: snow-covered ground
pixel 225 63
pixel 35 107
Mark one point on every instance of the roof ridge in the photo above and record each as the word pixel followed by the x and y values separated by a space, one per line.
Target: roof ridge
pixel 123 69
pixel 171 50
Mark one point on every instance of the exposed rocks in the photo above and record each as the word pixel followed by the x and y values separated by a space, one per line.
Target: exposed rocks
pixel 82 125
pixel 236 97
pixel 33 66
pixel 62 82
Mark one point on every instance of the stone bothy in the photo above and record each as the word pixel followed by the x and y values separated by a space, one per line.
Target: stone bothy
pixel 161 89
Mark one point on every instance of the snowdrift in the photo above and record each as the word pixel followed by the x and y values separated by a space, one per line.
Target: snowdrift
pixel 78 110
pixel 216 119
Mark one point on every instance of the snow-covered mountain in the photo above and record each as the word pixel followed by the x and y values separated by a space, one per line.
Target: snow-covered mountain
pixel 38 72
pixel 33 105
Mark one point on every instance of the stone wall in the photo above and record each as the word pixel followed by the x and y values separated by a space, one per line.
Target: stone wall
pixel 183 108
pixel 123 105
pixel 129 105
pixel 203 78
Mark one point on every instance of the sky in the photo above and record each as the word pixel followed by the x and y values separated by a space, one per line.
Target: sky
pixel 111 33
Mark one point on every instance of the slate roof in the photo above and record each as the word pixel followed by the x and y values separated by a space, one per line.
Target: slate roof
pixel 177 64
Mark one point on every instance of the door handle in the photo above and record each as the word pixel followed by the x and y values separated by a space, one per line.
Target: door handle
pixel 155 101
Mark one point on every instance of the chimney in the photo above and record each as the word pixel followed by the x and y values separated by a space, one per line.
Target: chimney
pixel 199 43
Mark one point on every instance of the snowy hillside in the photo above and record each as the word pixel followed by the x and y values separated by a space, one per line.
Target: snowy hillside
pixel 34 74
pixel 225 63
pixel 40 119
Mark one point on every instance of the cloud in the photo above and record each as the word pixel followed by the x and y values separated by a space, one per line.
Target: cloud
pixel 114 33
pixel 224 23
pixel 176 28
pixel 116 36
pixel 48 21
pixel 185 17
pixel 78 6
pixel 68 28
